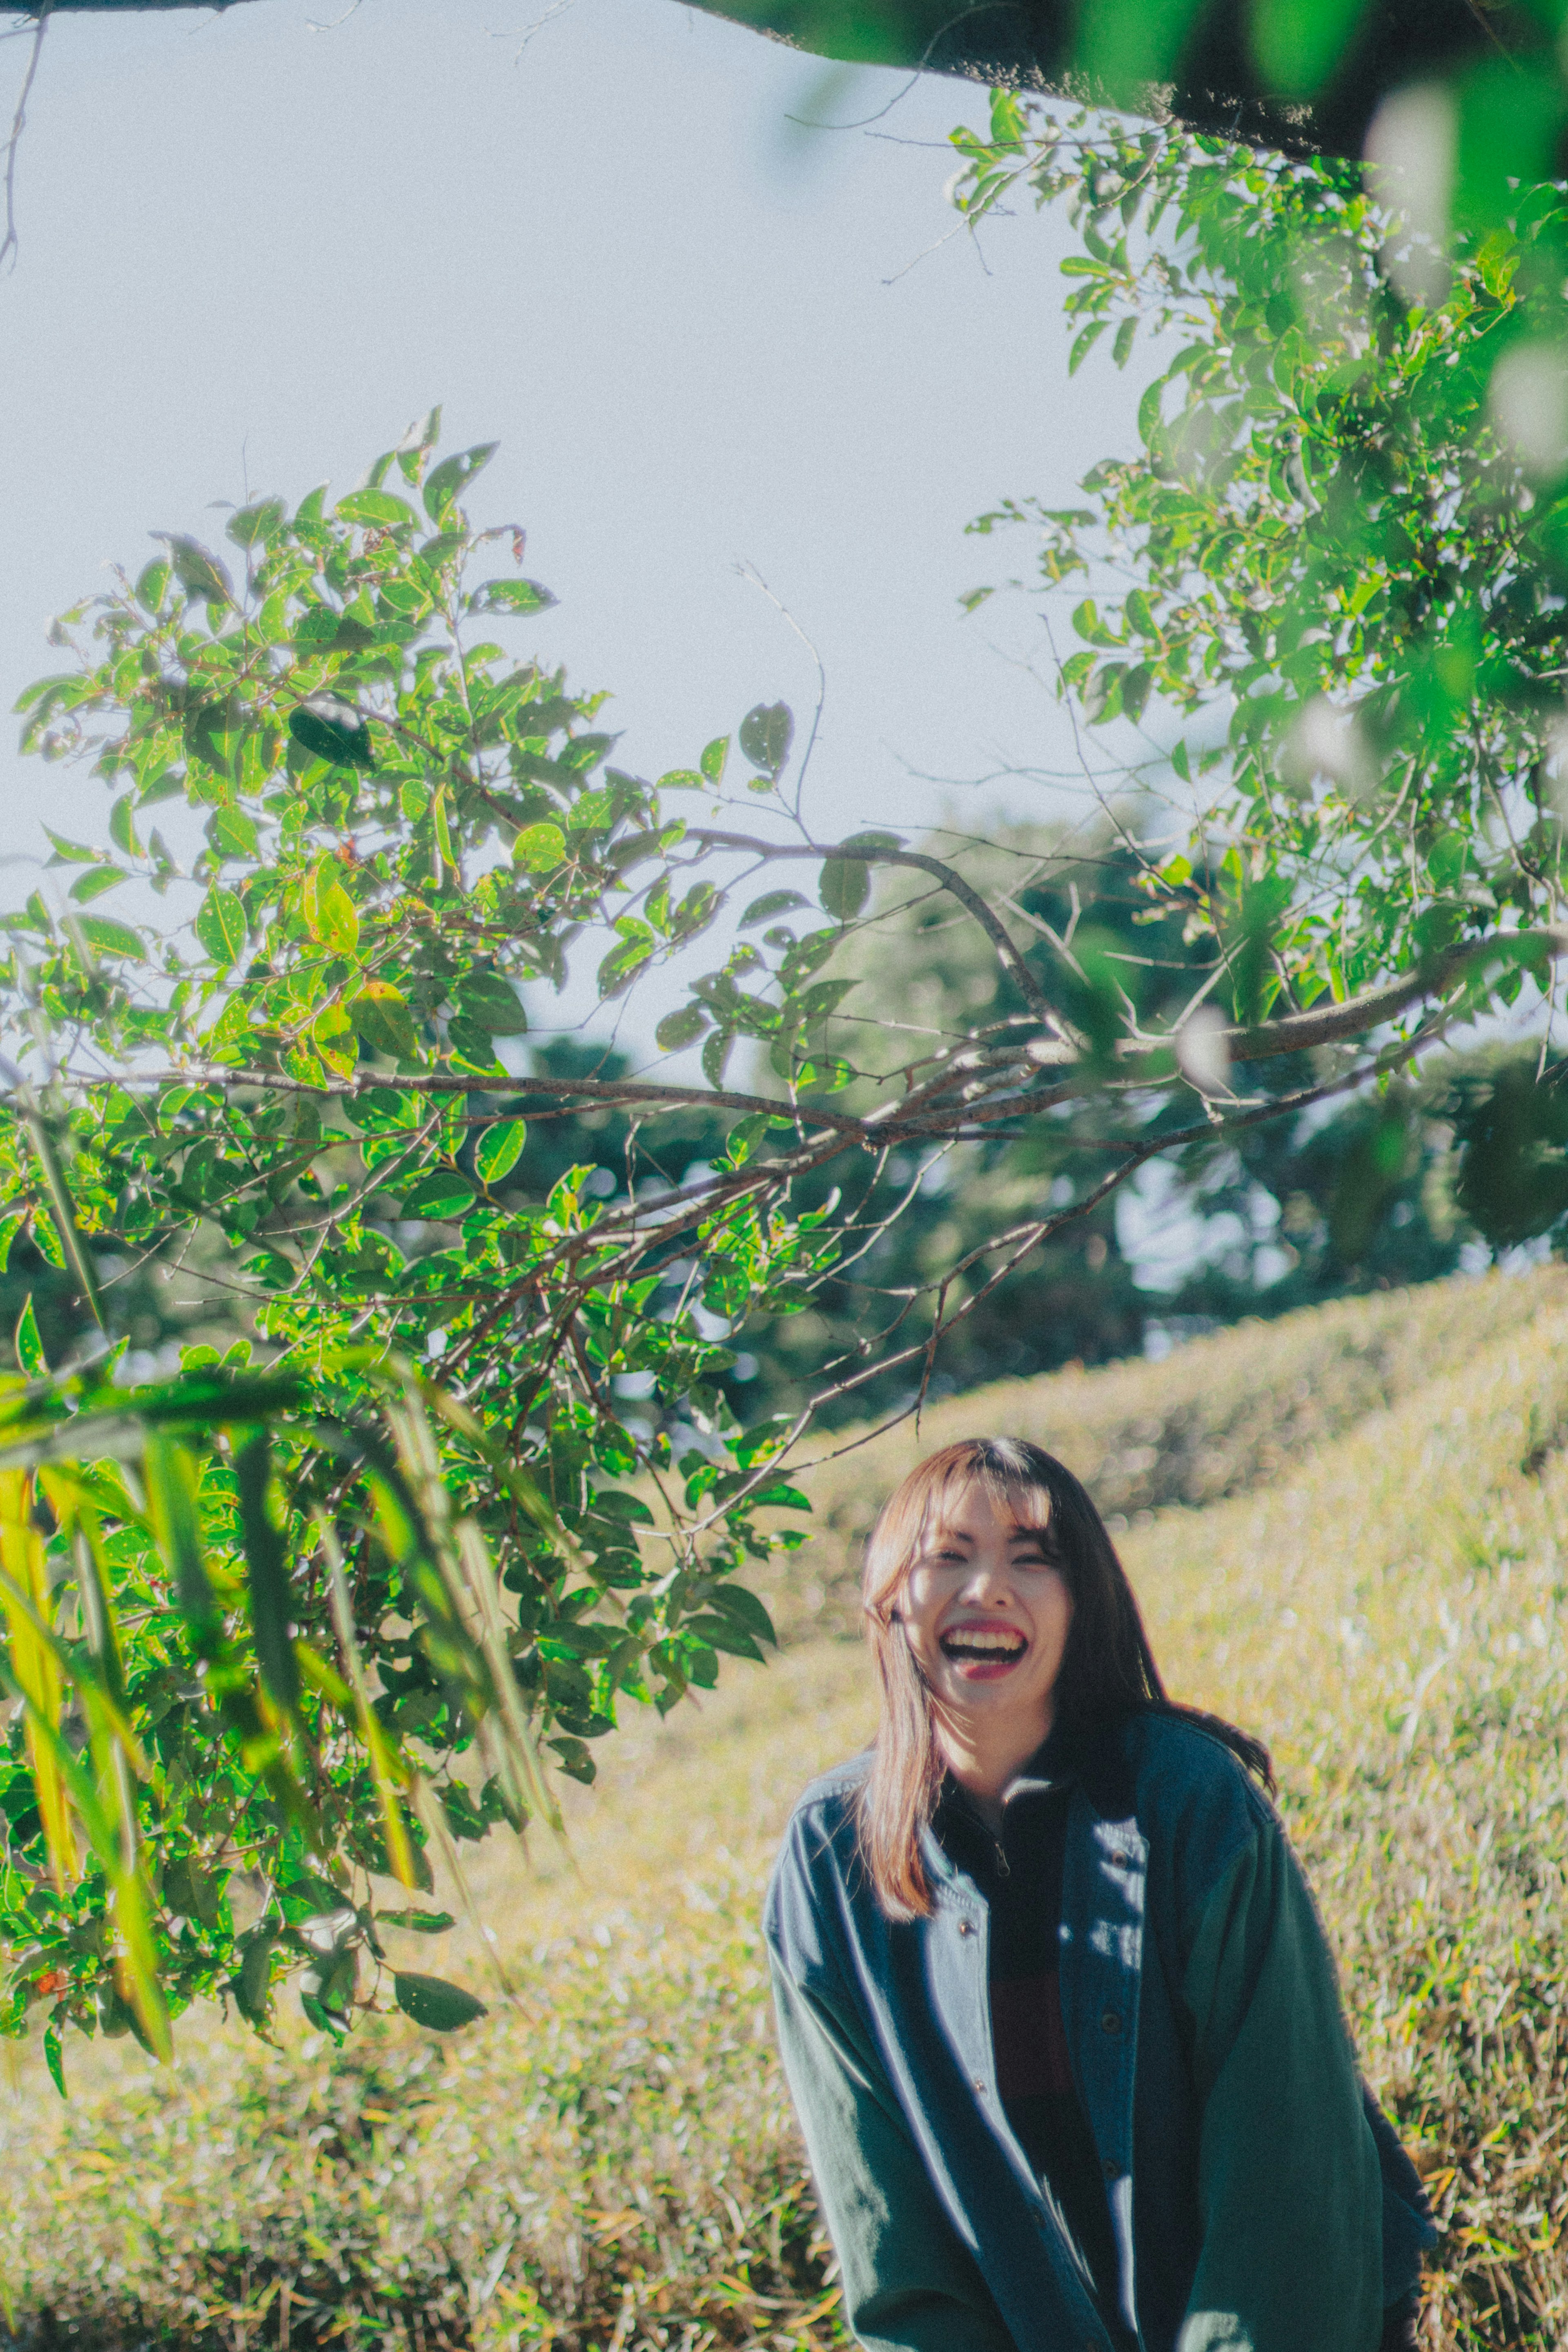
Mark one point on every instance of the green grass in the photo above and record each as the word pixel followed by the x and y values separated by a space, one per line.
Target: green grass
pixel 1370 1570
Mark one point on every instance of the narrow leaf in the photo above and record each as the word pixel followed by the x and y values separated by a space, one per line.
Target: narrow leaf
pixel 271 1601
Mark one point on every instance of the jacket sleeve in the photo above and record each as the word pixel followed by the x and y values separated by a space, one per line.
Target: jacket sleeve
pixel 909 2284
pixel 1289 2182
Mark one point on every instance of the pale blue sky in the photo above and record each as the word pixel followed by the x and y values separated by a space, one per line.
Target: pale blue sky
pixel 251 251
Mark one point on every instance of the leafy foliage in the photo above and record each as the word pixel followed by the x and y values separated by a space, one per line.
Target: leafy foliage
pixel 202 1717
pixel 1342 537
pixel 293 1648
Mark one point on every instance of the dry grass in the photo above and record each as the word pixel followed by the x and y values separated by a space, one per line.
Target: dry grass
pixel 607 2164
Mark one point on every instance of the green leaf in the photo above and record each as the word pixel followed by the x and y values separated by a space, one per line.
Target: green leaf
pixel 473 1046
pixel 805 957
pixel 681 1027
pixel 171 1475
pixel 515 596
pixel 734 1601
pixel 122 825
pixel 197 570
pixel 253 525
pixel 455 473
pixel 54 2058
pixel 621 965
pixel 71 853
pixel 332 730
pixel 540 848
pixel 271 1601
pixel 714 759
pixel 420 1923
pixel 152 585
pixel 221 926
pixel 232 833
pixel 375 510
pixel 382 1019
pixel 444 1194
pixel 1084 345
pixel 432 2002
pixel 491 1002
pixel 765 735
pixel 715 1053
pixel 253 1984
pixel 325 630
pixel 771 903
pixel 844 888
pixel 93 884
pixel 110 938
pixel 337 923
pixel 779 1495
pixel 499 1149
pixel 29 1347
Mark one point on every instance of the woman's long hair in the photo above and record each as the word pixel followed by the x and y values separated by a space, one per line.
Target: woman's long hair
pixel 1108 1670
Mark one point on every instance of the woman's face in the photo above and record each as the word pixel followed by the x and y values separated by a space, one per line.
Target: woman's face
pixel 986 1612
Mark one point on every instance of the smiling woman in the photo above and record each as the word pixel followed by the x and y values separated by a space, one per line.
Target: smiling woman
pixel 1046 1939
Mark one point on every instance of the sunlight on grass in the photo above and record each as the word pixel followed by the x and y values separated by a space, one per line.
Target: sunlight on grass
pixel 607 2161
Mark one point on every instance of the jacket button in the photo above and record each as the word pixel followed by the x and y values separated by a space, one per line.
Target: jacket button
pixel 1111 2021
pixel 966 1926
pixel 979 2086
pixel 1113 2171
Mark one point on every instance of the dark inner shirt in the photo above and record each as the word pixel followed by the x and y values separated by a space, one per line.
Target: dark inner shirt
pixel 1019 1874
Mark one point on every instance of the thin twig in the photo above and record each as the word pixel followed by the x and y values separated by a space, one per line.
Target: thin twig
pixel 8 243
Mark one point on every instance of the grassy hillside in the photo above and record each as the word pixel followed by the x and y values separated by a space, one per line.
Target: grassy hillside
pixel 607 2164
pixel 1222 1415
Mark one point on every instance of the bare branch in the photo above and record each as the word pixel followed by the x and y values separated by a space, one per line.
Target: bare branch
pixel 8 247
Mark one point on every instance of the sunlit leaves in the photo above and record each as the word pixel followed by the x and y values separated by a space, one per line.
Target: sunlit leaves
pixel 378 510
pixel 329 911
pixel 29 1346
pixel 380 1015
pixel 401 834
pixel 540 848
pixel 454 474
pixel 106 938
pixel 499 1149
pixel 220 925
pixel 1384 658
pixel 520 597
pixel 446 1192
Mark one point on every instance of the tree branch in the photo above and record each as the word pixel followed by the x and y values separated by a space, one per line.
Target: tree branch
pixel 968 898
pixel 18 124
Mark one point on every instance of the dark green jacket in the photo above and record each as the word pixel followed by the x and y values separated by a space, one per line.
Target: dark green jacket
pixel 1260 2201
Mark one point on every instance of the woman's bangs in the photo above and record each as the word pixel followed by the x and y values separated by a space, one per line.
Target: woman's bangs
pixel 1011 1494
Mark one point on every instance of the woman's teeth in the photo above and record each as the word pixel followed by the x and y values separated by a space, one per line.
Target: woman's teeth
pixel 972 1642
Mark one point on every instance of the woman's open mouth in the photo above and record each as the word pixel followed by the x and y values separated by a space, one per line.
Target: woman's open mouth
pixel 982 1651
